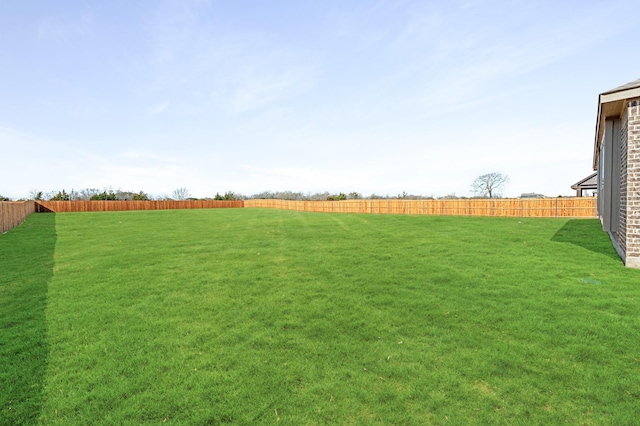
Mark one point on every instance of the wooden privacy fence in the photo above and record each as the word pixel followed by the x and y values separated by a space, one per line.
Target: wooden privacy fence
pixel 14 213
pixel 505 207
pixel 110 205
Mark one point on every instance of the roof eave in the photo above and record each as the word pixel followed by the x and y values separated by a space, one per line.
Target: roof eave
pixel 596 147
pixel 615 103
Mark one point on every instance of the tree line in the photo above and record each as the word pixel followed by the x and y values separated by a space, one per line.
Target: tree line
pixel 89 194
pixel 485 186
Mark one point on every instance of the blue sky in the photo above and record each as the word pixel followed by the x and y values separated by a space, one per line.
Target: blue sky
pixel 247 96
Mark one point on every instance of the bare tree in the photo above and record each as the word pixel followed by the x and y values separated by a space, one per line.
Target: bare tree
pixel 181 194
pixel 87 193
pixel 34 194
pixel 489 185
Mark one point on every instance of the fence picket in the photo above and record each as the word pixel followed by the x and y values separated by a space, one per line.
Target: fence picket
pixel 13 214
pixel 583 207
pixel 102 205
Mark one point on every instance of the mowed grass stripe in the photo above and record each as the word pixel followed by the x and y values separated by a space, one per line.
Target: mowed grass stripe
pixel 258 316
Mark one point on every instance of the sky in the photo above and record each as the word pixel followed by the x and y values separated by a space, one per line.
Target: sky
pixel 369 96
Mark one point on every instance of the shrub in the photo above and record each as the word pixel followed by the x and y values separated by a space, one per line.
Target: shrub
pixel 341 196
pixel 60 196
pixel 104 195
pixel 140 196
pixel 228 196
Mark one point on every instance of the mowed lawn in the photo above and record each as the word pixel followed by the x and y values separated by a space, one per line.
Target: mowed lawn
pixel 250 316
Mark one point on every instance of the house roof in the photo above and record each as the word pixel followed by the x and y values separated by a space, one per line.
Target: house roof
pixel 590 180
pixel 632 85
pixel 611 104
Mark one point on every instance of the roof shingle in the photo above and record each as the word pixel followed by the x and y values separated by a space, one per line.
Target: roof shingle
pixel 632 85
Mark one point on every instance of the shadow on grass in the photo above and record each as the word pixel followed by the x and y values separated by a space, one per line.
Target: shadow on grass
pixel 27 267
pixel 588 234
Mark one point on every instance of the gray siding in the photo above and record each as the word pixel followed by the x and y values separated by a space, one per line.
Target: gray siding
pixel 609 191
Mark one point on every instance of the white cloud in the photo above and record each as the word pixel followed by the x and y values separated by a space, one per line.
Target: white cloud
pixel 159 108
pixel 63 28
pixel 259 91
pixel 210 68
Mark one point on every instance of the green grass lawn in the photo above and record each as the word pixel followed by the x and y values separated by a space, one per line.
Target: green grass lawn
pixel 251 316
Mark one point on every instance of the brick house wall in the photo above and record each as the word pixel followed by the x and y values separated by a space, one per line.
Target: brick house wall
pixel 632 187
pixel 621 234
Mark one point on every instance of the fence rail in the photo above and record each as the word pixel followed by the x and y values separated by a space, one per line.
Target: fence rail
pixel 13 214
pixel 584 207
pixel 105 206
